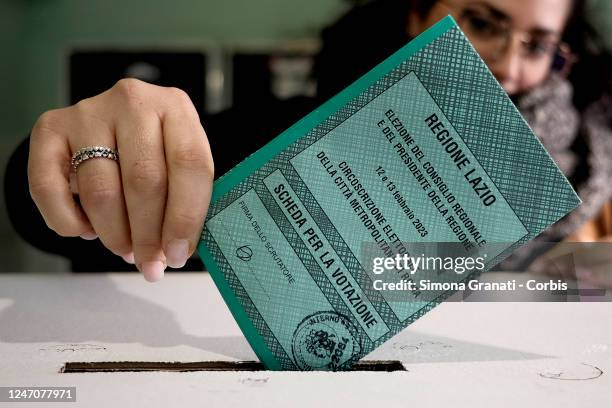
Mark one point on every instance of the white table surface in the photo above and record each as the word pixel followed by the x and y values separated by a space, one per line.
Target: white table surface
pixel 459 355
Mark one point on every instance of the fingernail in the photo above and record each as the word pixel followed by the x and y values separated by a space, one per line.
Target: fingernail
pixel 152 271
pixel 129 258
pixel 89 236
pixel 177 253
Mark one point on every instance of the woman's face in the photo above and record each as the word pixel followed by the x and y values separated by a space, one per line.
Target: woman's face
pixel 517 39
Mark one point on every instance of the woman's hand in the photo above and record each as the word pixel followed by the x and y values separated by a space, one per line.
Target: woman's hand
pixel 150 207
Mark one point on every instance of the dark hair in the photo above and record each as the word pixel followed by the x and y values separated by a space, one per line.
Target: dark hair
pixel 360 39
pixel 423 7
pixel 349 50
pixel 592 72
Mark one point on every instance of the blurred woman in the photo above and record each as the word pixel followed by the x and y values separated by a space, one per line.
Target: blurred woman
pixel 150 211
pixel 526 45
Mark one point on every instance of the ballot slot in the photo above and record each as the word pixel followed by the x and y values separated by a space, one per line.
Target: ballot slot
pixel 137 366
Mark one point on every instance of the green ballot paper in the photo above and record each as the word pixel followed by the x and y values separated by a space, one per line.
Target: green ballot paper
pixel 425 148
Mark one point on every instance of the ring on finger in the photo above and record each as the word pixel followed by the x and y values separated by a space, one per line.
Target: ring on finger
pixel 92 152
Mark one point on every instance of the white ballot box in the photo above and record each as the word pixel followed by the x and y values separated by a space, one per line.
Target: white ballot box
pixel 461 354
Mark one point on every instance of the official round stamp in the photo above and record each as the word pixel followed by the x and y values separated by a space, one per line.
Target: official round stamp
pixel 326 341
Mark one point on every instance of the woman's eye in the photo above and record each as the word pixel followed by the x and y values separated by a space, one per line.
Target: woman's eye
pixel 481 26
pixel 539 48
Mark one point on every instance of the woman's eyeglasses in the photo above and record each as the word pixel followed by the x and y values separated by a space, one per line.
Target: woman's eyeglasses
pixel 492 35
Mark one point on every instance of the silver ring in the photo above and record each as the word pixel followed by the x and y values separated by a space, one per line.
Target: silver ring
pixel 91 152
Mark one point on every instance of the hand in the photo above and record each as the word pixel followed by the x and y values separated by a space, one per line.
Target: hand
pixel 150 207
